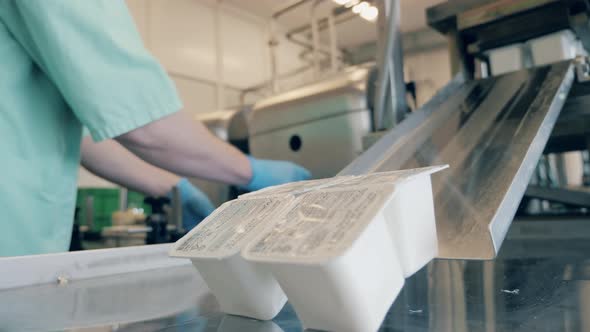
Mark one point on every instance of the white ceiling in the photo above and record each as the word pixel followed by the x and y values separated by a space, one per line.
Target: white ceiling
pixel 351 33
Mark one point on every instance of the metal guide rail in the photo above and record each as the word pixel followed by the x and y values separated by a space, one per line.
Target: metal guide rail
pixel 492 133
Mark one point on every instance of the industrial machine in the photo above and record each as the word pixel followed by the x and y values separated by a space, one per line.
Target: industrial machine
pixel 320 126
pixel 492 130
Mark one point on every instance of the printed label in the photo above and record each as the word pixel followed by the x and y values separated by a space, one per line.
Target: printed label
pixel 322 222
pixel 297 188
pixel 227 228
pixel 390 177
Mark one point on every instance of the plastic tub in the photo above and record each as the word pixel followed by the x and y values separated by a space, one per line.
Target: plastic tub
pixel 506 59
pixel 334 258
pixel 338 252
pixel 409 214
pixel 553 47
pixel 240 287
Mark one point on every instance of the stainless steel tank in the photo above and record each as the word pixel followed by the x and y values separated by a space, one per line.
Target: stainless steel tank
pixel 320 125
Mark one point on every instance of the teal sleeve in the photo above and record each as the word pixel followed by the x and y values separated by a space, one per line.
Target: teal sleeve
pixel 93 53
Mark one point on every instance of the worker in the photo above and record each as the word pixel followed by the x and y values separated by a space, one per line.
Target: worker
pixel 68 64
pixel 110 161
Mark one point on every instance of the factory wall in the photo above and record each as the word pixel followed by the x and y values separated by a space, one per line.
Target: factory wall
pixel 211 50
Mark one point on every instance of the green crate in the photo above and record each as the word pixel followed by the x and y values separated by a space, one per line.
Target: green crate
pixel 105 202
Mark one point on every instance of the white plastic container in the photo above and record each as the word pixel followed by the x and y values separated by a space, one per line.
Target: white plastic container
pixel 554 47
pixel 334 258
pixel 506 59
pixel 341 253
pixel 409 214
pixel 240 287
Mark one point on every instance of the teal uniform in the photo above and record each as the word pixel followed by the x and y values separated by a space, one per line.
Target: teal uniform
pixel 65 64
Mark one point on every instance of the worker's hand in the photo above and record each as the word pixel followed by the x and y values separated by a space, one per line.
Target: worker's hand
pixel 266 173
pixel 196 206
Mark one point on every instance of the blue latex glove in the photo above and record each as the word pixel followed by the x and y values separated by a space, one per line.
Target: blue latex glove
pixel 266 173
pixel 196 206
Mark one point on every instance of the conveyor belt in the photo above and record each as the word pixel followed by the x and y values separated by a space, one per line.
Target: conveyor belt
pixel 492 133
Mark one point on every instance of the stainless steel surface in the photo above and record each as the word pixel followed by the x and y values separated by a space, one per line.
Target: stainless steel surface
pixel 390 99
pixel 539 282
pixel 319 126
pixel 492 133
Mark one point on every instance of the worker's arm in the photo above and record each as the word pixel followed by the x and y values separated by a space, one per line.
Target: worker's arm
pixel 111 161
pixel 184 146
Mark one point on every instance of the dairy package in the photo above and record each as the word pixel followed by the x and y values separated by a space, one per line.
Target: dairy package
pixel 338 253
pixel 333 256
pixel 507 59
pixel 554 47
pixel 339 248
pixel 214 246
pixel 409 213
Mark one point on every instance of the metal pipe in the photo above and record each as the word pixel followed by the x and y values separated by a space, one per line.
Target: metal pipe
pixel 287 8
pixel 397 71
pixel 272 45
pixel 177 210
pixel 333 43
pixel 322 25
pixel 273 40
pixel 382 64
pixel 390 66
pixel 199 80
pixel 123 199
pixel 265 84
pixel 315 39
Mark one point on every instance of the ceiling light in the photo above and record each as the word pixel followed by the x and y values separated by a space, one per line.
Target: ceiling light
pixel 351 3
pixel 360 7
pixel 341 2
pixel 369 13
